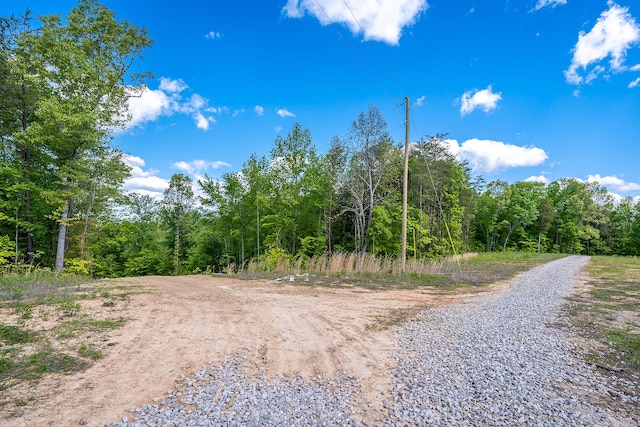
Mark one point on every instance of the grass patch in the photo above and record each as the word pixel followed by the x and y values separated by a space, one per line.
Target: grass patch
pixel 626 347
pixel 607 314
pixel 85 324
pixel 11 335
pixel 46 361
pixel 37 283
pixel 71 339
pixel 90 351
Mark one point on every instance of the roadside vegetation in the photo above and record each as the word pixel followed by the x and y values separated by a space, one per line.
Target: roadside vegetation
pixel 54 324
pixel 384 272
pixel 605 315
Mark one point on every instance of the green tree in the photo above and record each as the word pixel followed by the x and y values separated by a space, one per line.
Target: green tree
pixel 371 168
pixel 291 160
pixel 86 65
pixel 178 201
pixel 437 183
pixel 579 215
pixel 545 218
pixel 519 207
pixel 21 161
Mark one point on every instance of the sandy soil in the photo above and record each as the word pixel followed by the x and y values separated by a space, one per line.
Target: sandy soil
pixel 178 324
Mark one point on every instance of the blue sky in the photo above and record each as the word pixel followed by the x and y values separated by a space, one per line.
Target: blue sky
pixel 525 89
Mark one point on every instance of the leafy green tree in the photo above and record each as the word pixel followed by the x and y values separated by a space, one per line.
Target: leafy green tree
pixel 437 183
pixel 519 207
pixel 291 158
pixel 486 215
pixel 371 168
pixel 21 161
pixel 177 203
pixel 228 198
pixel 85 64
pixel 545 218
pixel 579 215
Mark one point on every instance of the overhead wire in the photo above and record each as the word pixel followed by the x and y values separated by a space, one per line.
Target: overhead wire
pixel 353 50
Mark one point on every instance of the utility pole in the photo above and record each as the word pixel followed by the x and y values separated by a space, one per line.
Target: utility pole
pixel 405 185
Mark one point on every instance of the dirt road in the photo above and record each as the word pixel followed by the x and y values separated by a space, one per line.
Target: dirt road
pixel 177 324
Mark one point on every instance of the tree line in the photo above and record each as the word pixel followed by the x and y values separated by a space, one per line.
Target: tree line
pixel 64 89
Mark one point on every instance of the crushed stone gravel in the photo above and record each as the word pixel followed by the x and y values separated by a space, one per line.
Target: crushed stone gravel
pixel 493 361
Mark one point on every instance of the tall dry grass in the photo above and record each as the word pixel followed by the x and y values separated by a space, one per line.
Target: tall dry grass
pixel 350 263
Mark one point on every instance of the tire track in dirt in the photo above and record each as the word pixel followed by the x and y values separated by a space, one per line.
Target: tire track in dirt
pixel 180 323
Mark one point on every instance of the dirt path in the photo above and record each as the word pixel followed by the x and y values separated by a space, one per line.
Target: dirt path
pixel 180 323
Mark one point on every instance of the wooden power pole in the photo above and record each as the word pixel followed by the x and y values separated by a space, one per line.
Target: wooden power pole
pixel 405 186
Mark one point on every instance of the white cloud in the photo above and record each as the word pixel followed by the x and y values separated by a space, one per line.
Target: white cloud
pixel 635 68
pixel 141 181
pixel 259 109
pixel 612 35
pixel 198 166
pixel 217 110
pixel 484 99
pixel 553 3
pixel 237 112
pixel 540 178
pixel 213 35
pixel 490 156
pixel 634 83
pixel 381 20
pixel 172 85
pixel 146 105
pixel 420 101
pixel 614 182
pixel 202 122
pixel 195 103
pixel 285 113
pixel 277 128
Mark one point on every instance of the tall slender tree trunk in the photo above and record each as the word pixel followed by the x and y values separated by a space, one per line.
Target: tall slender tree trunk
pixel 62 237
pixel 85 229
pixel 26 163
pixel 539 241
pixel 176 251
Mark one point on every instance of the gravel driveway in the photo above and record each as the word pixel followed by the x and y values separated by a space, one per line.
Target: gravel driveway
pixel 493 361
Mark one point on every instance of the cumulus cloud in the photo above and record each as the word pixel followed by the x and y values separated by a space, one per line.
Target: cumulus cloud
pixel 634 83
pixel 259 109
pixel 614 182
pixel 148 105
pixel 552 3
pixel 142 181
pixel 490 156
pixel 198 166
pixel 172 85
pixel 285 113
pixel 540 178
pixel 201 121
pixel 484 99
pixel 420 101
pixel 612 35
pixel 380 20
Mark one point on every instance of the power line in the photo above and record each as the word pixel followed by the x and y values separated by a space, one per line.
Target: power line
pixel 353 50
pixel 384 65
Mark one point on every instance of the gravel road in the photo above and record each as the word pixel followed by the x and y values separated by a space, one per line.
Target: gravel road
pixel 491 362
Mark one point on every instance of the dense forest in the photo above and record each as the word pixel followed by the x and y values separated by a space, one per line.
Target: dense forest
pixel 64 89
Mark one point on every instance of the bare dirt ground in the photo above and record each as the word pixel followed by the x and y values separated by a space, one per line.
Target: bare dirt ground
pixel 178 324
